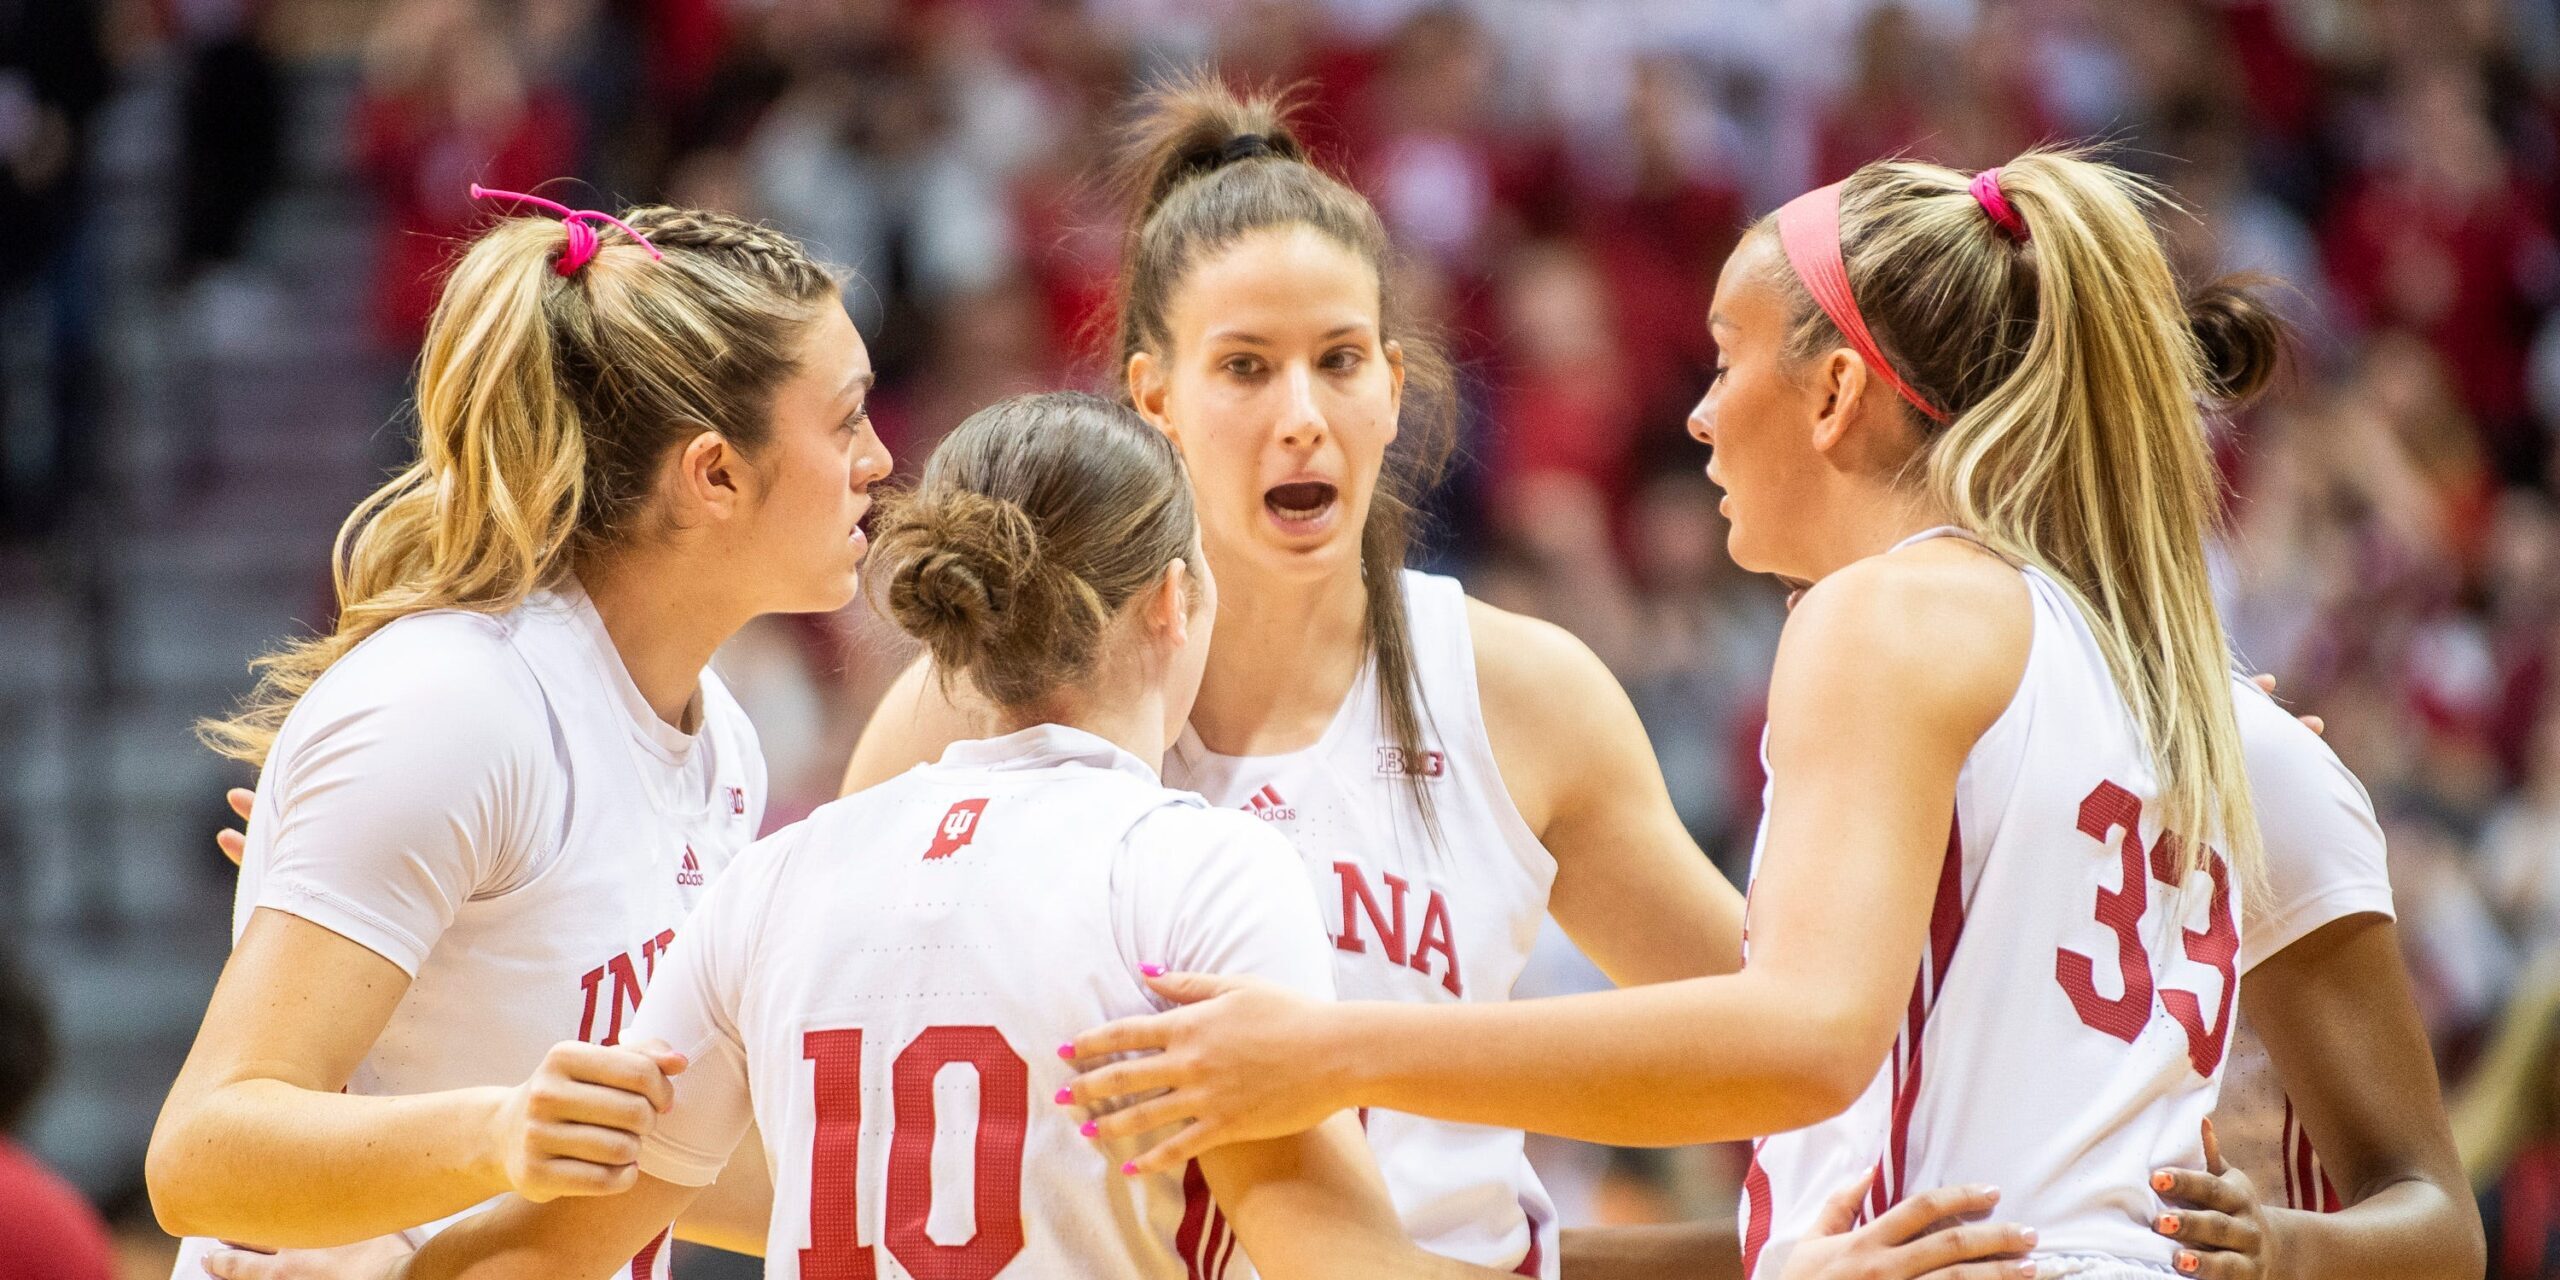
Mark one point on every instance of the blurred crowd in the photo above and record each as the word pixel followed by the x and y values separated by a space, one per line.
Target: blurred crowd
pixel 1564 178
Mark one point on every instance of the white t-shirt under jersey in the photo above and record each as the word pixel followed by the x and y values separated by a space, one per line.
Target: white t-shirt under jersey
pixel 1427 910
pixel 2068 1027
pixel 2324 864
pixel 488 802
pixel 883 987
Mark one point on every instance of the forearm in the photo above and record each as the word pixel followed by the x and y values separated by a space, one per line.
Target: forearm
pixel 734 1212
pixel 1685 1250
pixel 273 1164
pixel 2414 1229
pixel 1648 1066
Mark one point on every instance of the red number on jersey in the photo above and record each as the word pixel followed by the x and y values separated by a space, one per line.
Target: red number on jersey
pixel 835 1250
pixel 2107 810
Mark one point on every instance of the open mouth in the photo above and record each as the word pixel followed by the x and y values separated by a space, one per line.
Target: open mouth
pixel 1301 505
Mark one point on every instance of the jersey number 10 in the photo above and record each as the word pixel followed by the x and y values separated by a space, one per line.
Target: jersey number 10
pixel 2110 809
pixel 1004 1105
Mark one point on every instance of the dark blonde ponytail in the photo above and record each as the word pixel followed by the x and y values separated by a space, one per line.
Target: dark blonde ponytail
pixel 544 404
pixel 2074 374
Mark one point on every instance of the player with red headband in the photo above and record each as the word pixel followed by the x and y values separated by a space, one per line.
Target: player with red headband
pixel 1994 925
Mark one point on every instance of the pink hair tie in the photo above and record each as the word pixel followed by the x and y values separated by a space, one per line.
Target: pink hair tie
pixel 1809 233
pixel 1986 191
pixel 583 241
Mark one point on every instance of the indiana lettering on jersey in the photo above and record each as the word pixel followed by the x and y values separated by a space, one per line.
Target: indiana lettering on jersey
pixel 1395 944
pixel 628 980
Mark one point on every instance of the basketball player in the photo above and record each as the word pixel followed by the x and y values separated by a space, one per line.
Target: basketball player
pixel 1448 772
pixel 888 982
pixel 2329 1043
pixel 2001 745
pixel 490 793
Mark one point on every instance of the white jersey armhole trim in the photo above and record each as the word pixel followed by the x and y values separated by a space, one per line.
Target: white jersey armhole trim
pixel 1505 810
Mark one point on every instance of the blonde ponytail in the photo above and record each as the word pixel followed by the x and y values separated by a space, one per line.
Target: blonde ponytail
pixel 543 401
pixel 2075 373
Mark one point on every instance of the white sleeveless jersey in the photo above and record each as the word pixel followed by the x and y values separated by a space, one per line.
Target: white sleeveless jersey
pixel 885 986
pixel 488 802
pixel 2069 1024
pixel 1414 918
pixel 2324 864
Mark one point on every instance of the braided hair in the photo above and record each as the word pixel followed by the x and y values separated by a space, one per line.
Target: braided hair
pixel 545 404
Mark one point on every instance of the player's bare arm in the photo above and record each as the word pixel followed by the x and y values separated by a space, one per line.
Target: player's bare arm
pixel 733 1212
pixel 1887 675
pixel 257 1144
pixel 1312 1205
pixel 587 1238
pixel 2340 995
pixel 1632 889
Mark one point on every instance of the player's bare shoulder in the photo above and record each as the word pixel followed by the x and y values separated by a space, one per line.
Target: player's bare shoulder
pixel 1942 624
pixel 1551 707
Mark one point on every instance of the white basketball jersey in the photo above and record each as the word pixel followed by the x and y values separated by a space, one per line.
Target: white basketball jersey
pixel 1414 915
pixel 550 936
pixel 2324 863
pixel 2068 1028
pixel 885 987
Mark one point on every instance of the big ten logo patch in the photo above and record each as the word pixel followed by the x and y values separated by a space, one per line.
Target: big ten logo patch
pixel 959 826
pixel 1396 762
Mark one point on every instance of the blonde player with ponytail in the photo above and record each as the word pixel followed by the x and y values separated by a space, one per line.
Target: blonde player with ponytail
pixel 1993 924
pixel 489 794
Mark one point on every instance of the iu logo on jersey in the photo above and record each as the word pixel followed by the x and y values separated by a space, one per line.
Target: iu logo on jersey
pixel 1394 763
pixel 959 827
pixel 1267 805
pixel 689 872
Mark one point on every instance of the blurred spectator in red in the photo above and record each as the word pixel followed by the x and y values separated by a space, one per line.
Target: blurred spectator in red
pixel 1562 401
pixel 1884 110
pixel 1428 142
pixel 49 1231
pixel 2435 236
pixel 447 102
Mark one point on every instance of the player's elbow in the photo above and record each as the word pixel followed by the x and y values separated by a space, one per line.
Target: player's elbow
pixel 1832 1058
pixel 171 1173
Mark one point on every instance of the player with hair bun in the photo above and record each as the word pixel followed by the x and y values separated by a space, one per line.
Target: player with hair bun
pixel 1994 923
pixel 889 981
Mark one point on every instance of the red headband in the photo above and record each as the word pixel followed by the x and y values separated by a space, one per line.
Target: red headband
pixel 1809 233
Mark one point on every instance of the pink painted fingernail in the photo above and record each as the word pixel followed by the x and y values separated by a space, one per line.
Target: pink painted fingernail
pixel 1067 1051
pixel 1130 1168
pixel 1089 1128
pixel 1152 970
pixel 1066 1096
pixel 2187 1262
pixel 2161 1181
pixel 2168 1224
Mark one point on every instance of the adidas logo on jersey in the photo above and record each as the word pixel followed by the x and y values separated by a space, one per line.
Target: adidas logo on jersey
pixel 689 873
pixel 1267 805
pixel 1394 763
pixel 959 826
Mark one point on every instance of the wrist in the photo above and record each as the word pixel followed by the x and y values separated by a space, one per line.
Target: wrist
pixel 489 1116
pixel 1353 1045
pixel 2279 1230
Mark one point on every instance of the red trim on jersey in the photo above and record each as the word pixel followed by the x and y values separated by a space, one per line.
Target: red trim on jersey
pixel 1946 929
pixel 1195 1218
pixel 1755 1196
pixel 1529 1262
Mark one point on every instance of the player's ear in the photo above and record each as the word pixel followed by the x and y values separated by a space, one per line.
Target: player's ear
pixel 1168 605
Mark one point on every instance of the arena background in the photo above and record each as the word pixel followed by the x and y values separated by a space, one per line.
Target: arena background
pixel 222 219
